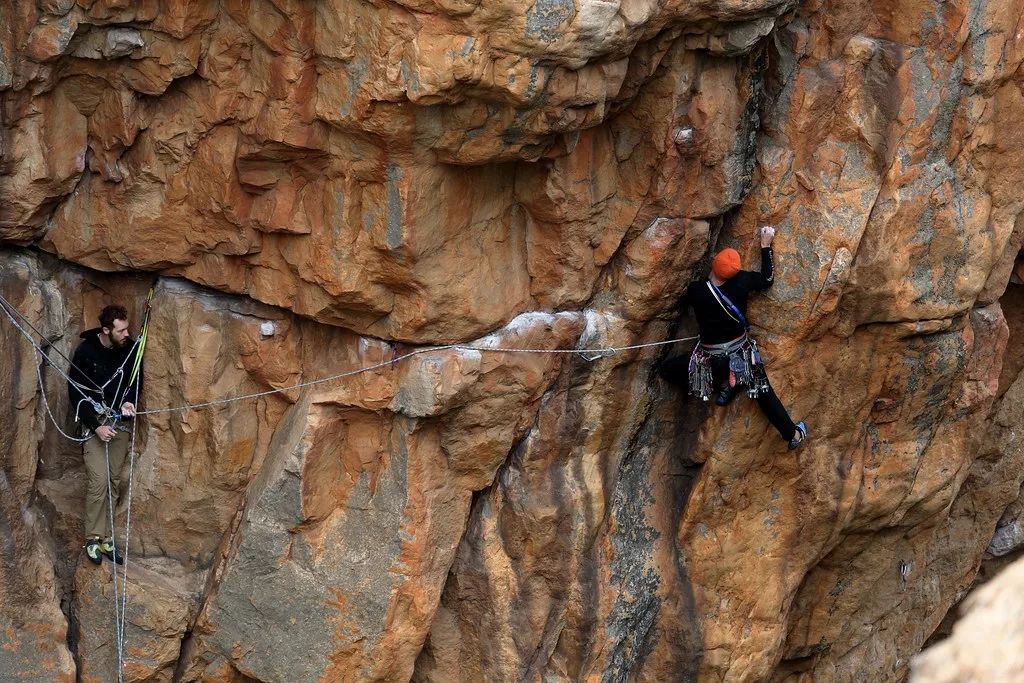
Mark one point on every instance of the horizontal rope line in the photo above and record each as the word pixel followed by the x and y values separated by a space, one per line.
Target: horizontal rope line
pixel 589 354
pixel 596 352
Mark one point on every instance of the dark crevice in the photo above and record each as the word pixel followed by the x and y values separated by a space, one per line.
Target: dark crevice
pixel 656 466
pixel 1012 304
pixel 184 654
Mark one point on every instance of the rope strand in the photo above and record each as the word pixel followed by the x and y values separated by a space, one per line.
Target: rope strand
pixel 8 305
pixel 128 525
pixel 113 542
pixel 593 353
pixel 46 404
pixel 40 350
pixel 590 354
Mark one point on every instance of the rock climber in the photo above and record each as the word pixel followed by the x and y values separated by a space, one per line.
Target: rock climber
pixel 99 374
pixel 727 358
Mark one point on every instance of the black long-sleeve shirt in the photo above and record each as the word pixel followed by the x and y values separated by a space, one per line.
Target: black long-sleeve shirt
pixel 715 325
pixel 92 366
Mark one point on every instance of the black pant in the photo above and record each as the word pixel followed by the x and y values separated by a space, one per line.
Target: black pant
pixel 676 371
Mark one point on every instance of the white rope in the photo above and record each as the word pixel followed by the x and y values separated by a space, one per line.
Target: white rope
pixel 113 542
pixel 120 371
pixel 128 526
pixel 46 404
pixel 42 351
pixel 258 394
pixel 588 353
pixel 596 351
pixel 8 305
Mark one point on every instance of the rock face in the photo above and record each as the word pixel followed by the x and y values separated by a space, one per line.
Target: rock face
pixel 325 186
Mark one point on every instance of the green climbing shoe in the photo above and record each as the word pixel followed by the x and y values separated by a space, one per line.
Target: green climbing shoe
pixel 110 552
pixel 92 550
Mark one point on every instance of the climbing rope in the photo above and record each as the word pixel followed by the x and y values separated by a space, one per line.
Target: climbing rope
pixel 46 404
pixel 120 593
pixel 9 308
pixel 40 354
pixel 132 380
pixel 127 533
pixel 40 350
pixel 142 338
pixel 589 354
pixel 119 373
pixel 113 542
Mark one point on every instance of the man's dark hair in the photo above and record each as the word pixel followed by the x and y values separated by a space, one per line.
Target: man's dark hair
pixel 111 313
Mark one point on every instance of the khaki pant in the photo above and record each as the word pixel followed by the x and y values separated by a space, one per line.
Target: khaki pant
pixel 97 510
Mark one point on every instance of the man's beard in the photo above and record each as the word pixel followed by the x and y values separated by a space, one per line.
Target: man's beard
pixel 119 344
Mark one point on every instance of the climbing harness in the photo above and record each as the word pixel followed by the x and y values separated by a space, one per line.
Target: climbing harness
pixel 746 367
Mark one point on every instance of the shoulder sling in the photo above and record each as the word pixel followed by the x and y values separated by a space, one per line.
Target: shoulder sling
pixel 731 309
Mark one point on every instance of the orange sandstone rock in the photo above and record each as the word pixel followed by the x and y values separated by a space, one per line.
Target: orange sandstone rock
pixel 320 187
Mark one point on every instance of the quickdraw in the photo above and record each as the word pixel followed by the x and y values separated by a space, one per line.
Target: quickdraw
pixel 143 336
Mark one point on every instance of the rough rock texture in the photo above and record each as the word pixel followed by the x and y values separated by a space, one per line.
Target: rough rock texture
pixel 986 642
pixel 320 186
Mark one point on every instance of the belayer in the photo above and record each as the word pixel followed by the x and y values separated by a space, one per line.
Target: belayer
pixel 726 358
pixel 100 374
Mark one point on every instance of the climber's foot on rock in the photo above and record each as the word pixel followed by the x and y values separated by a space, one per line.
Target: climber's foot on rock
pixel 92 550
pixel 799 437
pixel 108 550
pixel 726 395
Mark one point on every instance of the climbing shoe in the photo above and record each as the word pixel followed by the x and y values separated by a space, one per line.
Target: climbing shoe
pixel 726 395
pixel 108 550
pixel 92 550
pixel 798 438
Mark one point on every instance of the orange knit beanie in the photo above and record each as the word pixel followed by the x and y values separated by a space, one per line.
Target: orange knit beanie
pixel 726 263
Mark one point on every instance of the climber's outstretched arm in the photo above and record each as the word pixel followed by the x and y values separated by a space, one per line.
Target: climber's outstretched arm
pixel 767 274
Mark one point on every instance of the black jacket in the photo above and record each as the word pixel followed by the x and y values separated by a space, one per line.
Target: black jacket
pixel 715 325
pixel 94 365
